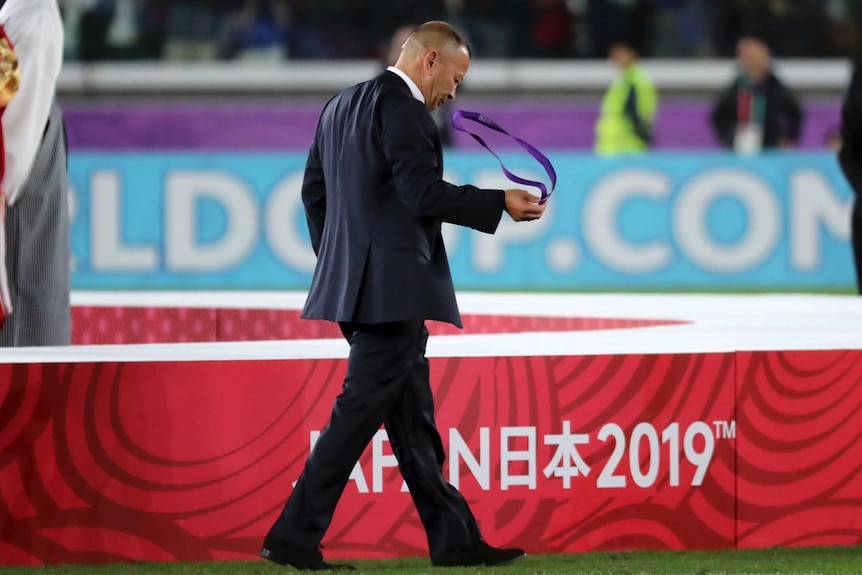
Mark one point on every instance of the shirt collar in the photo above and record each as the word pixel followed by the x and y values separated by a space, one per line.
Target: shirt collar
pixel 414 89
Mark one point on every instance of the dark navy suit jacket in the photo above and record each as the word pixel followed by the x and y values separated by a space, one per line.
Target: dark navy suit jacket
pixel 374 199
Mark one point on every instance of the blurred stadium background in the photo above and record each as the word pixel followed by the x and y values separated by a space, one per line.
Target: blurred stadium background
pixel 188 123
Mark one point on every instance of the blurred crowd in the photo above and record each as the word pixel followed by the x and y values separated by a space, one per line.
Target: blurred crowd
pixel 344 29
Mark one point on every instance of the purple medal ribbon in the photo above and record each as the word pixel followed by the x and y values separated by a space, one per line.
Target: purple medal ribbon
pixel 540 157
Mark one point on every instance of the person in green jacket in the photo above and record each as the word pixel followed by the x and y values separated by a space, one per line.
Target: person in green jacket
pixel 625 123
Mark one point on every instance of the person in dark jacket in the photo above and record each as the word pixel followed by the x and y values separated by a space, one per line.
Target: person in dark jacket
pixel 850 159
pixel 375 199
pixel 756 112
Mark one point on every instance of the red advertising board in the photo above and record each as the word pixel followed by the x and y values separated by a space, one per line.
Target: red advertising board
pixel 193 460
pixel 799 448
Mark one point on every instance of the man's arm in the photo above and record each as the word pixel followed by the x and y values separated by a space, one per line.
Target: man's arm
pixel 408 144
pixel 35 30
pixel 314 196
pixel 723 116
pixel 850 154
pixel 792 113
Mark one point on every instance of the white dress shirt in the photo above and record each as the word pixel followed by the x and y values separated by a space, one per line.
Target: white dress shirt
pixel 35 29
pixel 414 89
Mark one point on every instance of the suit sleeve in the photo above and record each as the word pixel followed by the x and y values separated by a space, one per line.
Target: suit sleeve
pixel 792 112
pixel 408 136
pixel 314 196
pixel 724 116
pixel 850 154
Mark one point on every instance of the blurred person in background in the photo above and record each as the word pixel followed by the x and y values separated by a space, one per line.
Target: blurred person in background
pixel 388 16
pixel 257 30
pixel 757 111
pixel 94 20
pixel 844 19
pixel 192 29
pixel 552 26
pixel 495 27
pixel 792 28
pixel 113 29
pixel 607 21
pixel 152 21
pixel 35 181
pixel 682 29
pixel 311 30
pixel 329 29
pixel 850 159
pixel 122 34
pixel 625 123
pixel 72 12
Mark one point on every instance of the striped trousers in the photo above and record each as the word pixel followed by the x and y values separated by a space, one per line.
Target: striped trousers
pixel 37 248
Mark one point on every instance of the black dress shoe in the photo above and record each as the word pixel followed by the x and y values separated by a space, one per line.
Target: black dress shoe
pixel 285 553
pixel 479 554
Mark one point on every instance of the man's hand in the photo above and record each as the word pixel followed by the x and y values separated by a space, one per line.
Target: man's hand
pixel 523 206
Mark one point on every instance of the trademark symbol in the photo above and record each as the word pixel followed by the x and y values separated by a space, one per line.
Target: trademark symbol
pixel 724 429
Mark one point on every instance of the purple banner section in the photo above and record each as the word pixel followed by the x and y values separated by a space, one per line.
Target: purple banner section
pixel 190 126
pixel 681 125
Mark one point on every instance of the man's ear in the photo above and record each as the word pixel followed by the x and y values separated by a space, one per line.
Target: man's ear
pixel 431 57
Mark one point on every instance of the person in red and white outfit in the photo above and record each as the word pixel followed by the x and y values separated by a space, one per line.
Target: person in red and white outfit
pixel 10 81
pixel 35 181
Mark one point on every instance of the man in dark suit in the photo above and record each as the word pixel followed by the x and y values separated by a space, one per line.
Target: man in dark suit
pixel 757 111
pixel 375 199
pixel 850 159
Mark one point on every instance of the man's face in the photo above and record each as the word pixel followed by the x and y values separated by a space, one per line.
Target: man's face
pixel 621 55
pixel 444 70
pixel 752 57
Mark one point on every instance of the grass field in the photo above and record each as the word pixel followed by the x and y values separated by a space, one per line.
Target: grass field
pixel 718 289
pixel 798 561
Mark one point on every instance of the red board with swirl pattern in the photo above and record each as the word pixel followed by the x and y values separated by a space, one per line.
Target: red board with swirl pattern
pixel 192 461
pixel 800 448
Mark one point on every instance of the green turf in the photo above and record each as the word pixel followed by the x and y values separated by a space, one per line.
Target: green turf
pixel 574 289
pixel 639 289
pixel 798 561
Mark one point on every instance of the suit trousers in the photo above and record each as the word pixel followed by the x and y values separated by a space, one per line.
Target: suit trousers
pixel 387 382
